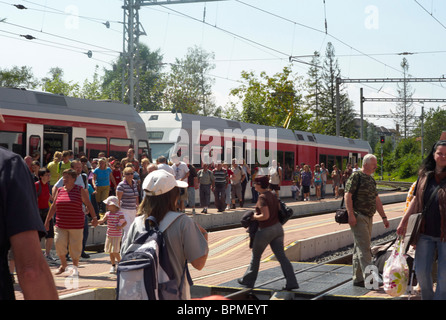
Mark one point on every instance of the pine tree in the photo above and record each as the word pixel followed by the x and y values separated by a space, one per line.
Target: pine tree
pixel 330 73
pixel 404 112
pixel 312 99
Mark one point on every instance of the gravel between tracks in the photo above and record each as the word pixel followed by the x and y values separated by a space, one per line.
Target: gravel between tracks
pixel 330 255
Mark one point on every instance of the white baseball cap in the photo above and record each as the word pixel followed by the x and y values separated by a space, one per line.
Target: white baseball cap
pixel 112 200
pixel 160 181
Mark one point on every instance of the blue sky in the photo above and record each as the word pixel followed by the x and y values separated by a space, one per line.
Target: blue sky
pixel 367 36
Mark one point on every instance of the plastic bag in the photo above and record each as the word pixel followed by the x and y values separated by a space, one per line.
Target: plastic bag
pixel 396 272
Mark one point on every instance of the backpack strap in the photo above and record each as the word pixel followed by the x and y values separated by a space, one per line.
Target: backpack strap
pixel 168 219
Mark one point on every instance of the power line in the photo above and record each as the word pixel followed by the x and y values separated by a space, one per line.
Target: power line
pixel 61 37
pixel 430 14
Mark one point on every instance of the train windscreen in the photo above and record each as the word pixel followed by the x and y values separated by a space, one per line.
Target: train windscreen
pixel 160 149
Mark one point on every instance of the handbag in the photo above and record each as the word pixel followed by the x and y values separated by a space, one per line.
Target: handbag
pixel 414 223
pixel 341 214
pixel 285 212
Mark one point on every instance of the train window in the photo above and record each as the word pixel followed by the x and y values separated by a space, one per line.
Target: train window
pixel 96 145
pixel 288 166
pixel 310 138
pixel 119 147
pixel 323 158
pixel 34 144
pixel 300 137
pixel 155 135
pixel 143 149
pixel 79 146
pixel 160 149
pixel 12 141
pixel 153 117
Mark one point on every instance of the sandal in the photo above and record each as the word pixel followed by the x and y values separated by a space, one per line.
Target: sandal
pixel 60 270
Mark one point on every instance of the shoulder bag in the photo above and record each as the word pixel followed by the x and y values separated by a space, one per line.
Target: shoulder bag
pixel 341 215
pixel 414 223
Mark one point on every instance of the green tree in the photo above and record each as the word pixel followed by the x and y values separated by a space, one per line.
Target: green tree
pixel 313 97
pixel 434 125
pixel 56 84
pixel 330 73
pixel 404 111
pixel 188 86
pixel 269 100
pixel 18 77
pixel 150 79
pixel 93 89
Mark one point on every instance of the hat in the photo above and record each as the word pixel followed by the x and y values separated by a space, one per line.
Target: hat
pixel 160 181
pixel 112 200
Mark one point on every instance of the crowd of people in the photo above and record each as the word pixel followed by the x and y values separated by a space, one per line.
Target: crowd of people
pixel 74 193
pixel 304 179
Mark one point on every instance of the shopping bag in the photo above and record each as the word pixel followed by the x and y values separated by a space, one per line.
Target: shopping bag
pixel 396 271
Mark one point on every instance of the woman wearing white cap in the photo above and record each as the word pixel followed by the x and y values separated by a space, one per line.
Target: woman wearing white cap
pixel 162 194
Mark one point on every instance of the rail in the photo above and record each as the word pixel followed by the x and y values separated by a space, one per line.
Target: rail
pixel 249 293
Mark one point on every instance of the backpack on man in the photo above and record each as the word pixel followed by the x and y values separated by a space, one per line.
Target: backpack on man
pixel 145 271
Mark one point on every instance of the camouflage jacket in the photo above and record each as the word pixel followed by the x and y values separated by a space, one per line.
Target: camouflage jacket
pixel 365 201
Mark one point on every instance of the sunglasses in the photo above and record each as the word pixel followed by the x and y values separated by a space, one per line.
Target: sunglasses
pixel 128 174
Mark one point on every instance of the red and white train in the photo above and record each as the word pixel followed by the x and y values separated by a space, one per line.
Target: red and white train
pixel 43 122
pixel 38 122
pixel 207 139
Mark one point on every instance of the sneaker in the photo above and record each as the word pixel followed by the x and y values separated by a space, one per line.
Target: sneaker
pixel 112 270
pixel 50 258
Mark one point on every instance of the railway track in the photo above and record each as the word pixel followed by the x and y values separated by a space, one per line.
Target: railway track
pixel 259 293
pixel 397 185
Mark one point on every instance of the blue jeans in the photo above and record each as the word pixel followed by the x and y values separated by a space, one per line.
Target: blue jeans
pixel 424 259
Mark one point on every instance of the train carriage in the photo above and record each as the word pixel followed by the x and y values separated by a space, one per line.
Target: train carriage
pixel 37 122
pixel 206 139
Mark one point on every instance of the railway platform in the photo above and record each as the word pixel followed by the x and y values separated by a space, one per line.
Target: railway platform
pixel 229 257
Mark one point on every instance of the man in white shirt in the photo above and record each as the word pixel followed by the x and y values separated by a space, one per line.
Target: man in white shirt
pixel 181 173
pixel 162 164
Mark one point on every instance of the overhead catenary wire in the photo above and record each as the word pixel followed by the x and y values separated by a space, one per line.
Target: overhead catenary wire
pixel 61 37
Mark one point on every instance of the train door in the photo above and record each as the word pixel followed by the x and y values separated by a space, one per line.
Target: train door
pixel 34 137
pixel 79 138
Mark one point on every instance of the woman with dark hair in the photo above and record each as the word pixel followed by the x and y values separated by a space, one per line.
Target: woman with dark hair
pixel 185 240
pixel 432 237
pixel 270 232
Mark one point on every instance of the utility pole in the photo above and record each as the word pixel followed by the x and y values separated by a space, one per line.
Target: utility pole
pixel 133 29
pixel 379 80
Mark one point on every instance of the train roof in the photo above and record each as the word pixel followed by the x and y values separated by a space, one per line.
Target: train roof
pixel 21 100
pixel 168 121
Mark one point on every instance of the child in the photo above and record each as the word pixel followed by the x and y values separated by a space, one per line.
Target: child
pixel 116 222
pixel 294 191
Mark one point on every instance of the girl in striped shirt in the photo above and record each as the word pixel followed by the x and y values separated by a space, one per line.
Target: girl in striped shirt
pixel 115 224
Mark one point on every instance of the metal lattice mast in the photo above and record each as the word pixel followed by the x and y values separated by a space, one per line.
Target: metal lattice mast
pixel 132 30
pixel 380 80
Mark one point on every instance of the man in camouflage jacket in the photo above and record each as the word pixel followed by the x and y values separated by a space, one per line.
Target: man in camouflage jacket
pixel 362 201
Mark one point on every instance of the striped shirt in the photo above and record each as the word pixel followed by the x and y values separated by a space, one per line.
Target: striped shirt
pixel 113 221
pixel 220 176
pixel 69 214
pixel 129 196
